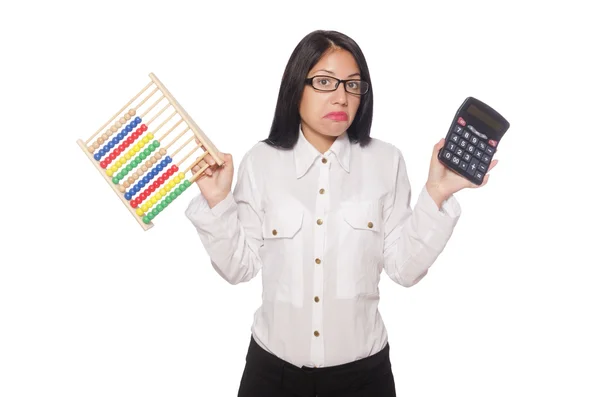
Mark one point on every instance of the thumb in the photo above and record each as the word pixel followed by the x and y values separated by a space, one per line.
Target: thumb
pixel 439 145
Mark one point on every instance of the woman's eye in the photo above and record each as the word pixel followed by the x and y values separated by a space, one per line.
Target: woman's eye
pixel 323 81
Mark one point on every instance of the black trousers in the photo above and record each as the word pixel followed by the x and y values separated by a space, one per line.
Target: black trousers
pixel 266 375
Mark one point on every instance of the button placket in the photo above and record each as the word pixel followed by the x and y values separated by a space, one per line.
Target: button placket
pixel 320 225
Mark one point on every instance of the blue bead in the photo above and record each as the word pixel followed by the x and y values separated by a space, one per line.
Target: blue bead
pixel 127 196
pixel 154 172
pixel 160 167
pixel 97 157
pixel 128 129
pixel 169 159
pixel 164 163
pixel 115 140
pixel 110 145
pixel 138 120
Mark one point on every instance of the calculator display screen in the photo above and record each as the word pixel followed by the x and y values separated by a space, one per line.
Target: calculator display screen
pixel 475 111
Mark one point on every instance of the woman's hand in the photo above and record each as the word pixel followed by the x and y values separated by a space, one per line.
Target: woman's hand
pixel 215 182
pixel 443 182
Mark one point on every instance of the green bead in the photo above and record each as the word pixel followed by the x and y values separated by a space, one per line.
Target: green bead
pixel 115 180
pixel 129 167
pixel 160 206
pixel 155 211
pixel 168 199
pixel 151 215
pixel 146 219
pixel 156 144
pixel 187 183
pixel 172 195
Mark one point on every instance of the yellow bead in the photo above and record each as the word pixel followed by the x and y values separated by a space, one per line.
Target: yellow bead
pixel 159 195
pixel 181 176
pixel 136 146
pixel 170 185
pixel 140 212
pixel 145 207
pixel 127 156
pixel 150 136
pixel 153 200
pixel 109 173
pixel 163 191
pixel 122 161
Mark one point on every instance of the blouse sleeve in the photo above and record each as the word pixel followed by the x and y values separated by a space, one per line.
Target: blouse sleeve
pixel 231 231
pixel 413 239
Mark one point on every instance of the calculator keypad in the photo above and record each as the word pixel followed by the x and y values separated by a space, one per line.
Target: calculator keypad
pixel 468 153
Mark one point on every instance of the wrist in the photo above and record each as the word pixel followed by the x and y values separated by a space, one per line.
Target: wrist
pixel 213 200
pixel 437 193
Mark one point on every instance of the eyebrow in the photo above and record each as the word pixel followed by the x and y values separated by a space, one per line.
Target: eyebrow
pixel 330 72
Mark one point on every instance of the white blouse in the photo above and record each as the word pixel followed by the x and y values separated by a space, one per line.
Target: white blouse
pixel 322 227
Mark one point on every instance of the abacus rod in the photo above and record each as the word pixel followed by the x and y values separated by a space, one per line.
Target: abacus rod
pixel 152 106
pixel 198 160
pixel 119 112
pixel 182 146
pixel 199 133
pixel 165 122
pixel 189 154
pixel 197 174
pixel 176 138
pixel 170 129
pixel 145 99
pixel 158 114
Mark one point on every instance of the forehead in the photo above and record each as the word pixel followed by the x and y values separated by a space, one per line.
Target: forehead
pixel 339 62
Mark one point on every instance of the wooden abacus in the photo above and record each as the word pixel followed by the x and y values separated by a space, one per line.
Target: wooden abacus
pixel 138 162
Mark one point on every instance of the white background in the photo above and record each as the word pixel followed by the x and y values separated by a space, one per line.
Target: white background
pixel 90 305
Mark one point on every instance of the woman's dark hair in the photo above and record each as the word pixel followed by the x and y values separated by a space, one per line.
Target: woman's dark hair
pixel 286 122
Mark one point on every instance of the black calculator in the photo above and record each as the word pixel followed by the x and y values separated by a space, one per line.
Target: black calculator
pixel 473 139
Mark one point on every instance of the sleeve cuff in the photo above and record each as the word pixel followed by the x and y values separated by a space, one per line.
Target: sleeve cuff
pixel 445 217
pixel 198 209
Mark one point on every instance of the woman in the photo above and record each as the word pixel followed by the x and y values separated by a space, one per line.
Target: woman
pixel 322 208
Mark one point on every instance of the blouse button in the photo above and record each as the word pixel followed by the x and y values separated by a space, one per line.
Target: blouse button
pixel 317 261
pixel 324 160
pixel 316 333
pixel 319 221
pixel 316 299
pixel 370 225
pixel 274 232
pixel 322 191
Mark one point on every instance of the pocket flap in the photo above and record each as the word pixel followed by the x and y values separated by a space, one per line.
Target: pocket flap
pixel 282 223
pixel 363 216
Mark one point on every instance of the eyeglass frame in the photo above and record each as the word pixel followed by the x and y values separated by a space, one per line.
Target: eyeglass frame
pixel 309 81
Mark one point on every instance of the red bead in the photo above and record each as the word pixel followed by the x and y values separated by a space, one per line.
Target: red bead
pixel 175 168
pixel 112 156
pixel 144 127
pixel 103 164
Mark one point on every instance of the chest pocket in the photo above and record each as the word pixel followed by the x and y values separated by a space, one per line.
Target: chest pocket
pixel 360 249
pixel 282 255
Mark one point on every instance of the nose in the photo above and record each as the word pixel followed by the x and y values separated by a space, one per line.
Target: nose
pixel 340 95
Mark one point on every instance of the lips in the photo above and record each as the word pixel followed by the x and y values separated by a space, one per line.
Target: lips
pixel 337 116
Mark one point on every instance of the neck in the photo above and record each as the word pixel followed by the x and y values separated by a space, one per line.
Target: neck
pixel 321 142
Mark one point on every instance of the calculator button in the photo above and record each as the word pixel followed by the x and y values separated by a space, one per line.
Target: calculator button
pixel 472 168
pixel 447 155
pixel 479 176
pixel 462 121
pixel 489 150
pixel 451 146
pixel 466 135
pixel 459 152
pixel 482 167
pixel 455 160
pixel 458 129
pixel 467 157
pixel 463 165
pixel 454 138
pixel 485 159
pixel 482 146
pixel 474 140
pixel 471 149
pixel 493 143
pixel 463 143
pixel 478 153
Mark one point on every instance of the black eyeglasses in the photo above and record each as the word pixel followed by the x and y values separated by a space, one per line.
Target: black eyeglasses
pixel 328 83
